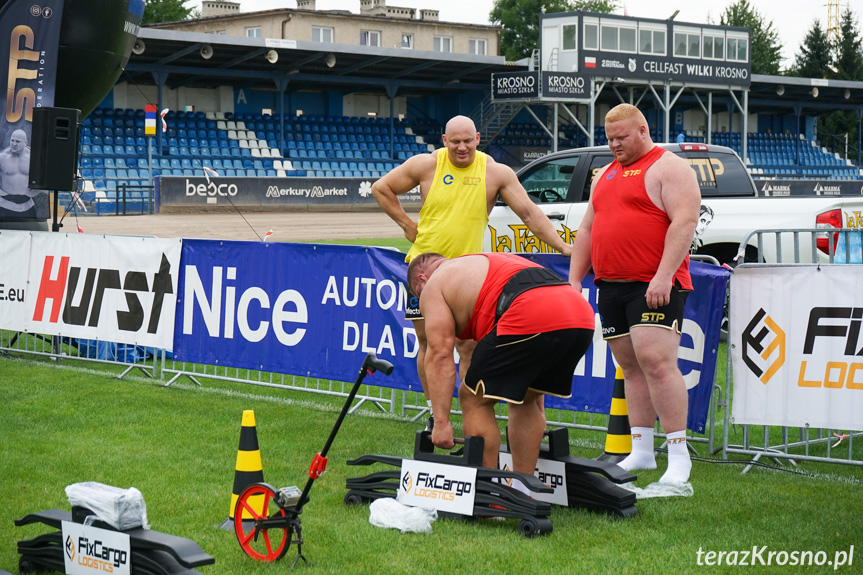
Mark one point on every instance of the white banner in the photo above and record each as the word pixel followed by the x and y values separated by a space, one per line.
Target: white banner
pixel 437 486
pixel 15 247
pixel 88 550
pixel 112 288
pixel 550 472
pixel 797 346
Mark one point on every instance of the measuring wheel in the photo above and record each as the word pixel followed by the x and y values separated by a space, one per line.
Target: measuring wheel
pixel 263 529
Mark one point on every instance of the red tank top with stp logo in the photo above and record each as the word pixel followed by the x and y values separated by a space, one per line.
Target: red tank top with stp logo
pixel 628 234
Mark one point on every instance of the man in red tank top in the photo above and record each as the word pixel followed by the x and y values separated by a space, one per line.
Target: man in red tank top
pixel 529 350
pixel 636 235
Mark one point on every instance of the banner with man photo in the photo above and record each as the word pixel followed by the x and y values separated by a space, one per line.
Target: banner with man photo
pixel 29 45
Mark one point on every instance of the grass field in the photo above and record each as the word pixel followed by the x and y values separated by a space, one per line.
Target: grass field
pixel 67 423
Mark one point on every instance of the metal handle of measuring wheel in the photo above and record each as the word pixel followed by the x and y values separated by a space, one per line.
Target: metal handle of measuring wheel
pixel 372 363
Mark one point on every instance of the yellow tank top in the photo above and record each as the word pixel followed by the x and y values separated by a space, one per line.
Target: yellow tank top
pixel 455 213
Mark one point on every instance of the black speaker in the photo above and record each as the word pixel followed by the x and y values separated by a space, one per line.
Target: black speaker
pixel 54 149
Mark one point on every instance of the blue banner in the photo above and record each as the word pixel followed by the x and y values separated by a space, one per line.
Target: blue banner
pixel 29 41
pixel 309 310
pixel 316 310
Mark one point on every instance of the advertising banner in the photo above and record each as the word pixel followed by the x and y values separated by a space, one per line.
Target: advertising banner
pixel 514 86
pixel 302 309
pixel 29 39
pixel 15 247
pixel 438 486
pixel 270 192
pixel 312 310
pixel 112 288
pixel 563 85
pixel 88 550
pixel 780 188
pixel 796 346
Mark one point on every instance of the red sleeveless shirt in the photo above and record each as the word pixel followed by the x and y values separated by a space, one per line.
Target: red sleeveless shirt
pixel 628 234
pixel 541 309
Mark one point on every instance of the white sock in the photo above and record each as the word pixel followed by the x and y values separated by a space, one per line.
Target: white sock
pixel 431 413
pixel 641 456
pixel 679 464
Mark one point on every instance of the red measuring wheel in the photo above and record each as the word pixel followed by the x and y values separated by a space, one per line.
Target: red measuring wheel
pixel 262 527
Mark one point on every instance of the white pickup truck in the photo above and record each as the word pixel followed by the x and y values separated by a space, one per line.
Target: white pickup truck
pixel 732 207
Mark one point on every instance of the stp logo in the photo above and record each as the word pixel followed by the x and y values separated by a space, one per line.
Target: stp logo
pixel 763 343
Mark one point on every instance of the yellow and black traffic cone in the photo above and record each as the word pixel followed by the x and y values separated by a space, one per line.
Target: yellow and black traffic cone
pixel 618 439
pixel 248 469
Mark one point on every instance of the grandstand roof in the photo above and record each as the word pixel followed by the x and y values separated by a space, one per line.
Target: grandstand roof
pixel 242 61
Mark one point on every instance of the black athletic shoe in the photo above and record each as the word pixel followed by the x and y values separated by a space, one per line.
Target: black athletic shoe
pixel 430 423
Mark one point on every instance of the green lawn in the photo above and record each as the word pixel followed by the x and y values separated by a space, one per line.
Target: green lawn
pixel 62 425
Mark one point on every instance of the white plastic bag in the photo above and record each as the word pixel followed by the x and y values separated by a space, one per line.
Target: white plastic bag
pixel 658 489
pixel 389 513
pixel 122 509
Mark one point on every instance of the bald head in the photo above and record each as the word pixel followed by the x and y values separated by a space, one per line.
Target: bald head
pixel 461 140
pixel 420 268
pixel 460 123
pixel 18 141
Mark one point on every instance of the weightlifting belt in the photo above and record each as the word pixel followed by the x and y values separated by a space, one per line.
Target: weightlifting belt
pixel 522 281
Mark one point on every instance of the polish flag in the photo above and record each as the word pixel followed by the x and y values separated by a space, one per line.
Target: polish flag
pixel 589 62
pixel 268 235
pixel 208 171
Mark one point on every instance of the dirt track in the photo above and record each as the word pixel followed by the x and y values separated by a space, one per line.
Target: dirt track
pixel 286 226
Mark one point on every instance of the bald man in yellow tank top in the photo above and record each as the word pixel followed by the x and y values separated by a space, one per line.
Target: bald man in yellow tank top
pixel 458 188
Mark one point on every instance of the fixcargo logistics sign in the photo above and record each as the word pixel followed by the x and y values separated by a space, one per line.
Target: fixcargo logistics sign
pixel 798 358
pixel 437 486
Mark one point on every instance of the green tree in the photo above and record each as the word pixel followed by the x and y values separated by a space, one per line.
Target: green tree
pixel 813 60
pixel 158 11
pixel 848 56
pixel 520 21
pixel 765 51
pixel 847 65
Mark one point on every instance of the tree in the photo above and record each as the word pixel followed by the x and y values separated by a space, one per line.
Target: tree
pixel 520 21
pixel 848 57
pixel 847 65
pixel 765 51
pixel 157 11
pixel 813 59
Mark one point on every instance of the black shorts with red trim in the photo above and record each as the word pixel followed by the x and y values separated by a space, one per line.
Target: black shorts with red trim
pixel 506 367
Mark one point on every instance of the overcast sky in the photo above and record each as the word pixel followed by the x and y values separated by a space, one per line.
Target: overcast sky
pixel 791 18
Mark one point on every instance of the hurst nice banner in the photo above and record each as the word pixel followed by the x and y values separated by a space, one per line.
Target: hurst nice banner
pixel 112 288
pixel 797 353
pixel 29 40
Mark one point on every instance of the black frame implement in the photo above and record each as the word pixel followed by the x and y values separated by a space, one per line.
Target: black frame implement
pixel 276 514
pixel 590 484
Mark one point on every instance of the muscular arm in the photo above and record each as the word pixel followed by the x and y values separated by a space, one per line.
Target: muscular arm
pixel 680 197
pixel 439 363
pixel 579 263
pixel 512 192
pixel 399 181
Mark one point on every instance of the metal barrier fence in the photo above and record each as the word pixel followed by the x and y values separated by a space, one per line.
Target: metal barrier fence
pixel 777 443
